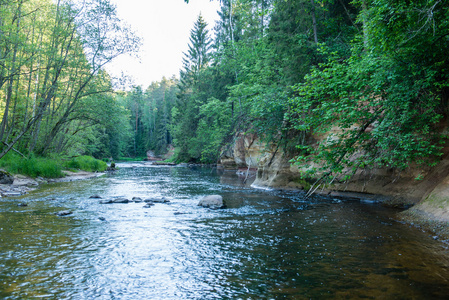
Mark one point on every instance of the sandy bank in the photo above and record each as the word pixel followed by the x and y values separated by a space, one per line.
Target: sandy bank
pixel 24 184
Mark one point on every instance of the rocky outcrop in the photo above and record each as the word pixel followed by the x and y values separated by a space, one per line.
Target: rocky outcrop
pixel 245 151
pixel 5 177
pixel 249 153
pixel 425 188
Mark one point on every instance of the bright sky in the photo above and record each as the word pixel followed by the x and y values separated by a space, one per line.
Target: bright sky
pixel 164 26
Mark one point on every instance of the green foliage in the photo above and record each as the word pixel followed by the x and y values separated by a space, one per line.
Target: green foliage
pixel 124 159
pixel 381 106
pixel 198 55
pixel 86 163
pixel 144 121
pixel 190 131
pixel 53 87
pixel 212 129
pixel 368 78
pixel 261 49
pixel 33 166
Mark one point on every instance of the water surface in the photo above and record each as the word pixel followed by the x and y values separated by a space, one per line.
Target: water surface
pixel 266 245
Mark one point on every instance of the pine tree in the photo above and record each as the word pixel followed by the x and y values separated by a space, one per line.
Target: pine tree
pixel 197 57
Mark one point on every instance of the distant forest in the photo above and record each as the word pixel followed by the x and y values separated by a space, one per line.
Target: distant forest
pixel 373 73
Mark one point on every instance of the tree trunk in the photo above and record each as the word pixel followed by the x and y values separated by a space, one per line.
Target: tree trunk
pixel 365 29
pixel 315 30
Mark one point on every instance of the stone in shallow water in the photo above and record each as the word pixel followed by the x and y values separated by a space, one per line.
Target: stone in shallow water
pixel 160 200
pixel 120 200
pixel 107 201
pixel 137 199
pixel 176 213
pixel 64 213
pixel 95 197
pixel 212 201
pixel 114 200
pixel 11 194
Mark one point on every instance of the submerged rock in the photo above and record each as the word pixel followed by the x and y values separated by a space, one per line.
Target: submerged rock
pixel 95 197
pixel 212 201
pixel 63 213
pixel 11 194
pixel 156 200
pixel 22 204
pixel 107 201
pixel 148 205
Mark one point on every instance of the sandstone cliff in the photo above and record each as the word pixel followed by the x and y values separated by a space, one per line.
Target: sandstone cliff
pixel 426 189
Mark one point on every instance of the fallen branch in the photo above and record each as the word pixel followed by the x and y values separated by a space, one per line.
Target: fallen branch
pixel 14 149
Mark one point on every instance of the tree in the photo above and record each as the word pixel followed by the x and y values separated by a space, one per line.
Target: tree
pixel 192 93
pixel 197 57
pixel 53 56
pixel 387 98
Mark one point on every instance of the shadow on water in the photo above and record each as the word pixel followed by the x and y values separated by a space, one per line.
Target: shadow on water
pixel 266 245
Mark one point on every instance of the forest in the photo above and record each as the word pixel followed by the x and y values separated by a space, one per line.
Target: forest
pixel 287 70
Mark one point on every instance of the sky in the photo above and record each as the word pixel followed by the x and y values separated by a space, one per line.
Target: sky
pixel 164 26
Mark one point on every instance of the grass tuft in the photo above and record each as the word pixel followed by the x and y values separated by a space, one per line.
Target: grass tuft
pixel 32 167
pixel 86 163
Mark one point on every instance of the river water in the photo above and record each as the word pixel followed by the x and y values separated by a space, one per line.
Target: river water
pixel 265 245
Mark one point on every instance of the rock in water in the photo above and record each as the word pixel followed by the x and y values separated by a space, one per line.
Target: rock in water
pixel 120 200
pixel 137 199
pixel 95 197
pixel 6 178
pixel 11 194
pixel 107 201
pixel 64 213
pixel 114 200
pixel 212 201
pixel 160 200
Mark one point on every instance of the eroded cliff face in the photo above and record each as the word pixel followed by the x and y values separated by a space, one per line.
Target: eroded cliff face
pixel 429 194
pixel 273 168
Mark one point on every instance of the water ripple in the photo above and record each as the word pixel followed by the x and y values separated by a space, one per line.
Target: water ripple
pixel 266 245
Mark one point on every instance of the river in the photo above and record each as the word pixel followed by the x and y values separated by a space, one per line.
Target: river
pixel 265 245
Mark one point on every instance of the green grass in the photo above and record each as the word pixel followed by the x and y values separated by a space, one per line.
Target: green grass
pixel 124 159
pixel 86 163
pixel 49 167
pixel 33 166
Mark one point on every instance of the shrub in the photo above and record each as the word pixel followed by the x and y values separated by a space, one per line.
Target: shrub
pixel 33 166
pixel 86 163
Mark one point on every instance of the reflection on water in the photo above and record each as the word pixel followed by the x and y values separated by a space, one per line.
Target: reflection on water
pixel 266 245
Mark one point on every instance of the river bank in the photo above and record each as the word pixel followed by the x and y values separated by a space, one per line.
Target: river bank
pixel 23 184
pixel 421 190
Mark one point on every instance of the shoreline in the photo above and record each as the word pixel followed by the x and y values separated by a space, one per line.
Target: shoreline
pixel 416 215
pixel 23 184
